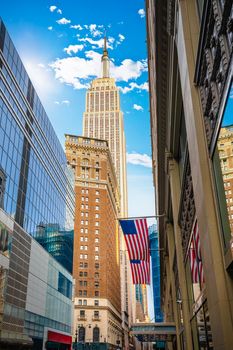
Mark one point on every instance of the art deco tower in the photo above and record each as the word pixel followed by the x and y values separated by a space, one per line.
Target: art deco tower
pixel 103 119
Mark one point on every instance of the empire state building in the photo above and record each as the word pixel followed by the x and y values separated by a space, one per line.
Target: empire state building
pixel 103 120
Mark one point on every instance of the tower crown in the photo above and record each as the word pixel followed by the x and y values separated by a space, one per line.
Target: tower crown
pixel 105 60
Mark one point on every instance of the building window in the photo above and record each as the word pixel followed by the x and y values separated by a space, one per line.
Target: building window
pixel 96 223
pixel 80 301
pixel 86 199
pixel 96 314
pixel 97 216
pixel 97 293
pixel 97 207
pixel 86 230
pixel 85 265
pixel 97 193
pixel 97 200
pixel 96 334
pixel 81 264
pixel 96 257
pixel 84 293
pixel 97 265
pixel 85 302
pixel 81 334
pixel 97 284
pixel 81 273
pixel 80 292
pixel 97 240
pixel 96 249
pixel 96 274
pixel 96 232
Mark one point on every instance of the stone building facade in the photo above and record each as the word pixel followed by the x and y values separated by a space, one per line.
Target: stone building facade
pixel 190 76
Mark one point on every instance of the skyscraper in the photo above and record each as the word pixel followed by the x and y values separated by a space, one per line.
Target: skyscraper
pixel 35 290
pixel 103 119
pixel 96 264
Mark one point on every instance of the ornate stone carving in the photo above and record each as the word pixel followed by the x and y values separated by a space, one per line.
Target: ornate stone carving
pixel 187 207
pixel 214 54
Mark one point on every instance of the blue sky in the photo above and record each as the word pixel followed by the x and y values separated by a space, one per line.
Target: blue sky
pixel 60 43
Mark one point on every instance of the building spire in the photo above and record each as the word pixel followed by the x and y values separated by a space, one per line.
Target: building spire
pixel 105 60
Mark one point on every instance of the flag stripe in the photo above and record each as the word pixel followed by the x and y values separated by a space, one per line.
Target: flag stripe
pixel 140 272
pixel 137 238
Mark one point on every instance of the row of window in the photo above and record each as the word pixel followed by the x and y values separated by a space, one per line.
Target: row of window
pixel 86 214
pixel 86 199
pixel 84 302
pixel 96 313
pixel 85 247
pixel 84 293
pixel 85 265
pixel 85 257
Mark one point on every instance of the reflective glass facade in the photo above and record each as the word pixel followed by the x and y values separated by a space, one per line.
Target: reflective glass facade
pixel 155 258
pixel 37 182
pixel 59 243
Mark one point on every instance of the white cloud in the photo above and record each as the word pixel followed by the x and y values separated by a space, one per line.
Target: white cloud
pixel 73 48
pixel 59 11
pixel 41 65
pixel 98 43
pixel 76 26
pixel 137 107
pixel 132 86
pixel 94 31
pixel 128 69
pixel 64 102
pixel 121 37
pixel 141 13
pixel 139 159
pixel 63 21
pixel 50 28
pixel 52 8
pixel 77 71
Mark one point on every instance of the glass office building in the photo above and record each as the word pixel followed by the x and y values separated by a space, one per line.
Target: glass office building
pixel 155 259
pixel 37 187
pixel 59 243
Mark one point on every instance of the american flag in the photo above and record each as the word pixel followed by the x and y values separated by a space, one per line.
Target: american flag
pixel 137 243
pixel 195 256
pixel 140 271
pixel 136 238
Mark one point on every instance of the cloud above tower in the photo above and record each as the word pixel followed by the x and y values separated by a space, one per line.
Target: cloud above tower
pixel 78 71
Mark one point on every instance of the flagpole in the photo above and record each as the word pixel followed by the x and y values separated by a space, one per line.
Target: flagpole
pixel 142 217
